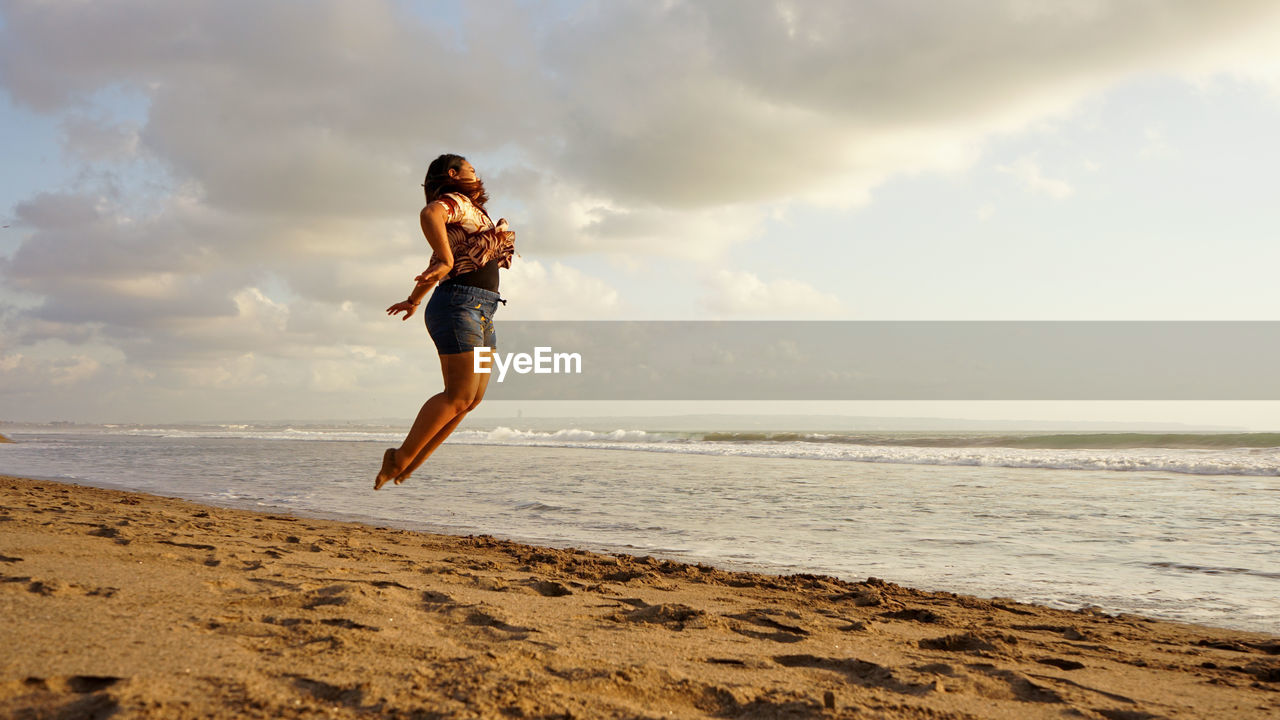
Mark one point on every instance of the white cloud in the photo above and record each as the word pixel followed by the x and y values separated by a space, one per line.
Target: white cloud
pixel 1155 144
pixel 22 373
pixel 743 294
pixel 535 291
pixel 1027 169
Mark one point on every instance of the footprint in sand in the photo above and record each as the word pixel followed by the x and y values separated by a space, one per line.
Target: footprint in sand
pixel 73 696
pixel 921 615
pixel 859 672
pixel 781 632
pixel 1066 631
pixel 57 587
pixel 302 597
pixel 1061 663
pixel 1126 714
pixel 343 623
pixel 1020 686
pixel 433 600
pixel 672 615
pixel 547 588
pixel 106 531
pixel 191 546
pixel 71 683
pixel 352 697
pixel 861 598
pixel 531 586
pixel 479 616
pixel 970 642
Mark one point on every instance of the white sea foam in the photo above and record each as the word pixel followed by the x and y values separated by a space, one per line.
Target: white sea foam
pixel 1244 461
pixel 1241 461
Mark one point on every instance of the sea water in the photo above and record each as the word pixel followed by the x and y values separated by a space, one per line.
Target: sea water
pixel 1177 526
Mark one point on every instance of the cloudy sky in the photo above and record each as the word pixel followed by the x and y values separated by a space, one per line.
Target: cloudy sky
pixel 210 203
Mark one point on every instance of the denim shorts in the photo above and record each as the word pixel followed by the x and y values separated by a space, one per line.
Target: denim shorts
pixel 460 318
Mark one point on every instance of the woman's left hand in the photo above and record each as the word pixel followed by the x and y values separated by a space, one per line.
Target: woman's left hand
pixel 404 306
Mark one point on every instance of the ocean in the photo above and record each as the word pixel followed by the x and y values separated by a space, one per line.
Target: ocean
pixel 1179 526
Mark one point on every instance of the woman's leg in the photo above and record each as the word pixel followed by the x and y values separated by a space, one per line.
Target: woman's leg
pixel 482 382
pixel 460 382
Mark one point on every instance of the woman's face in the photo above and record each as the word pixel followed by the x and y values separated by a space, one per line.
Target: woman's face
pixel 465 173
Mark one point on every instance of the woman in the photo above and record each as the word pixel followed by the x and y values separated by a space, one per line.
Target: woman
pixel 467 250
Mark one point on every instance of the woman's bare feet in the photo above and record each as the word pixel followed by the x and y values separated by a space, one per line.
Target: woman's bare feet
pixel 388 471
pixel 408 469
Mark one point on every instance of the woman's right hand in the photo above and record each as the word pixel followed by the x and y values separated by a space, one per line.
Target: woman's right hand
pixel 404 306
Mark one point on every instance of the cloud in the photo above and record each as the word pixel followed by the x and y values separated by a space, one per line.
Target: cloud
pixel 99 139
pixel 1156 145
pixel 743 294
pixel 689 104
pixel 331 108
pixel 535 291
pixel 255 167
pixel 1027 169
pixel 20 372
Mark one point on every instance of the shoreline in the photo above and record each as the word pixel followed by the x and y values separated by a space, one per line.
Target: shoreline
pixel 158 607
pixel 981 587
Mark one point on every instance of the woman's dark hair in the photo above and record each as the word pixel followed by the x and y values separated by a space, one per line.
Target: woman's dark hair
pixel 438 182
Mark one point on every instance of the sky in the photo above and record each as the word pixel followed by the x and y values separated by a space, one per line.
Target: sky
pixel 210 204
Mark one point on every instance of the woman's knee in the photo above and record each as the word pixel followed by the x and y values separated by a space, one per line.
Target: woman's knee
pixel 458 402
pixel 474 403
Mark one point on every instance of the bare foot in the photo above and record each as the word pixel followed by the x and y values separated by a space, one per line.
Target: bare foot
pixel 405 473
pixel 388 470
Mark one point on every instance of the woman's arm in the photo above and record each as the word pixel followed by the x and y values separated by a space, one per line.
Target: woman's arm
pixel 432 220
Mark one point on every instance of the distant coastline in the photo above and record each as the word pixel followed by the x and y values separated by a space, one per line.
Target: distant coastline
pixel 728 422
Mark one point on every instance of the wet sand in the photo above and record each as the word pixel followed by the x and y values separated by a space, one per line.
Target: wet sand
pixel 127 605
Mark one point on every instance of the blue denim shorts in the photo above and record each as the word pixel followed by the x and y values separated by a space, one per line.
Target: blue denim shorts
pixel 460 318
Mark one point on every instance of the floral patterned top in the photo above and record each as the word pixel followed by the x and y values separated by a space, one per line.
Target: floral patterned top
pixel 483 240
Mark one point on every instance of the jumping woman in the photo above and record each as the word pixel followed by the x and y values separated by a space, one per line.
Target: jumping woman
pixel 467 250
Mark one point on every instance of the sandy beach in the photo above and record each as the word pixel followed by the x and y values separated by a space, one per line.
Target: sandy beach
pixel 121 604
